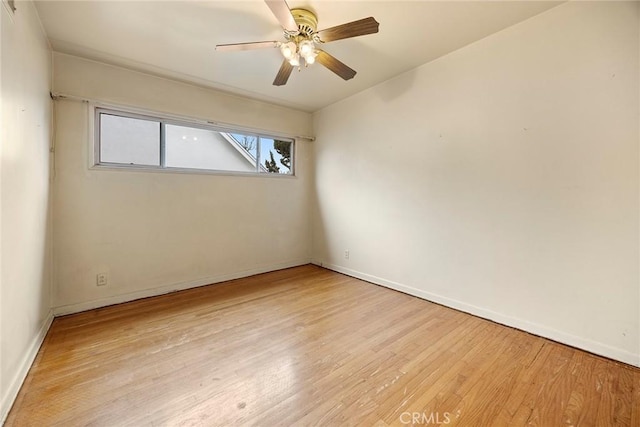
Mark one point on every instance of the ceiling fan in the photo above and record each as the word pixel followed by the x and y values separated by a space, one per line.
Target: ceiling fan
pixel 301 37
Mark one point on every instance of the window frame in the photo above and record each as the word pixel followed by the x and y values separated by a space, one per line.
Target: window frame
pixel 164 120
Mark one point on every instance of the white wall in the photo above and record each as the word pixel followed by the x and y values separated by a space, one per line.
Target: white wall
pixel 25 227
pixel 152 232
pixel 501 179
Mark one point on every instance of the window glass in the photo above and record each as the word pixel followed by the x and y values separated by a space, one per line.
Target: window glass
pixel 194 148
pixel 249 143
pixel 129 140
pixel 275 156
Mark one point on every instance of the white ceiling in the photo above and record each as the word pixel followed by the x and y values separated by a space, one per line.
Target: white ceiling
pixel 177 39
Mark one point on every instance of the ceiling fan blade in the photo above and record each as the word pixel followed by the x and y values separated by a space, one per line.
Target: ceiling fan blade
pixel 246 46
pixel 283 74
pixel 283 14
pixel 334 65
pixel 352 29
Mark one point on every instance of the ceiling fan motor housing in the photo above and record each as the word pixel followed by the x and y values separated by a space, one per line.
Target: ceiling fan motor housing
pixel 306 20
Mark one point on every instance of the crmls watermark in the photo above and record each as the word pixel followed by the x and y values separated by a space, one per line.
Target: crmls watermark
pixel 427 418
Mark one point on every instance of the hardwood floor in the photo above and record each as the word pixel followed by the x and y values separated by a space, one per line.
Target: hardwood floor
pixel 307 346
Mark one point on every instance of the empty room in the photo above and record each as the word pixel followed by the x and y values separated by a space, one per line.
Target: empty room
pixel 318 212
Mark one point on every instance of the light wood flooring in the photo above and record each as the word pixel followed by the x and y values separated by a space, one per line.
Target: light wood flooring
pixel 307 346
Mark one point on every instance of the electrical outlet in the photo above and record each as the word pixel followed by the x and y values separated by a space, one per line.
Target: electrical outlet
pixel 101 279
pixel 346 254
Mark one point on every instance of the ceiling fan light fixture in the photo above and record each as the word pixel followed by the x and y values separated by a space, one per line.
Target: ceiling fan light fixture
pixel 295 60
pixel 306 47
pixel 310 58
pixel 288 50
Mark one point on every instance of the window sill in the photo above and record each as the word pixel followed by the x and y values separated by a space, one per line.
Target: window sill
pixel 187 171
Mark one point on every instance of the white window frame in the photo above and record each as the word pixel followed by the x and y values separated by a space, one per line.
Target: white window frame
pixel 193 123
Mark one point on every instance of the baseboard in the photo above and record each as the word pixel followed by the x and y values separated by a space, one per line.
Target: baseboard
pixel 523 325
pixel 23 370
pixel 152 292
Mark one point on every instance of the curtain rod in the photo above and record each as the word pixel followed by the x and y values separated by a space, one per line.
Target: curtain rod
pixel 56 96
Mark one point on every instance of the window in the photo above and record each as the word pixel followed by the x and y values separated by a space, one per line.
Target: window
pixel 133 140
